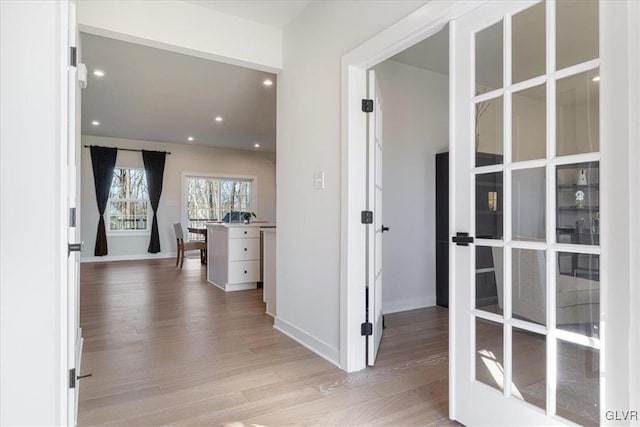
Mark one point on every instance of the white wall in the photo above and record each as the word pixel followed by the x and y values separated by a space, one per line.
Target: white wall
pixel 187 28
pixel 31 244
pixel 415 127
pixel 308 135
pixel 183 158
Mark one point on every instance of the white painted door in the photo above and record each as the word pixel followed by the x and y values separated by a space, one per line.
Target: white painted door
pixel 525 159
pixel 74 333
pixel 374 237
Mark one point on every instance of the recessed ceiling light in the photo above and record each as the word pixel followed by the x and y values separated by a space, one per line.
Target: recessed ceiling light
pixel 98 73
pixel 256 145
pixel 190 138
pixel 95 123
pixel 218 119
pixel 596 79
pixel 267 82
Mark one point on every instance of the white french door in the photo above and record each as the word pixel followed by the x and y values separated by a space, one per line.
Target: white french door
pixel 375 230
pixel 74 333
pixel 526 187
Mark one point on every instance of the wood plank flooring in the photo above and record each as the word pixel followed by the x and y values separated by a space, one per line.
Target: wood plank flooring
pixel 166 348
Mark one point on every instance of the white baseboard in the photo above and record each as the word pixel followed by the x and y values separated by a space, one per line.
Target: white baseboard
pixel 408 304
pixel 321 348
pixel 235 287
pixel 132 257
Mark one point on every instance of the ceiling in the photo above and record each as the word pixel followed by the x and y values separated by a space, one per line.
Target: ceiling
pixel 158 95
pixel 430 54
pixel 275 13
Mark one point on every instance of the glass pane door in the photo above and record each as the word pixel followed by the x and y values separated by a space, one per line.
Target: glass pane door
pixel 536 191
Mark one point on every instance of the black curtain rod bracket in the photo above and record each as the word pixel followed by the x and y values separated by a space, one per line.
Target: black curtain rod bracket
pixel 124 149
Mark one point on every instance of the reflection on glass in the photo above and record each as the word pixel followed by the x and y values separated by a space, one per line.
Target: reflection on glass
pixel 578 113
pixel 489 59
pixel 489 205
pixel 578 387
pixel 528 43
pixel 578 293
pixel 576 32
pixel 489 132
pixel 529 124
pixel 528 285
pixel 578 203
pixel 528 204
pixel 529 360
pixel 489 353
pixel 489 279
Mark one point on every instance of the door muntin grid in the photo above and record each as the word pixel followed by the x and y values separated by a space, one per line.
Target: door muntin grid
pixel 534 294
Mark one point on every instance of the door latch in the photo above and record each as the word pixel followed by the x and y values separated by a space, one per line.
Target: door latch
pixel 462 239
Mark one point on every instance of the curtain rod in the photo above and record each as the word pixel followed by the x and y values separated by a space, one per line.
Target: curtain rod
pixel 123 149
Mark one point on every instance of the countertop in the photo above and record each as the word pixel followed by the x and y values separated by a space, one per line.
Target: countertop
pixel 241 224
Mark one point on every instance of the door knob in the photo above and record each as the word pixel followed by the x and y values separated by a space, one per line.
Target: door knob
pixel 385 228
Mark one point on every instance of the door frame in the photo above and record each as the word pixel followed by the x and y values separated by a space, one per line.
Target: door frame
pixel 617 268
pixel 416 27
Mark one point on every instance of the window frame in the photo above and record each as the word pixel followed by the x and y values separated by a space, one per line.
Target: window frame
pixel 131 232
pixel 253 197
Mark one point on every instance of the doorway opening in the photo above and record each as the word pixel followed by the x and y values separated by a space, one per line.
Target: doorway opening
pixel 407 180
pixel 408 187
pixel 145 315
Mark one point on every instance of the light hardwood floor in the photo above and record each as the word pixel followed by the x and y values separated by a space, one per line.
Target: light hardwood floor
pixel 165 347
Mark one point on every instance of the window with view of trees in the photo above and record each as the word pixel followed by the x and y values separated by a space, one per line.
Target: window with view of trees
pixel 128 200
pixel 210 199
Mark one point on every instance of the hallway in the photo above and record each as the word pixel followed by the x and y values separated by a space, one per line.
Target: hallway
pixel 165 347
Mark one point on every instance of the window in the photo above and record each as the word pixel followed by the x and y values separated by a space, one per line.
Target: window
pixel 128 201
pixel 211 199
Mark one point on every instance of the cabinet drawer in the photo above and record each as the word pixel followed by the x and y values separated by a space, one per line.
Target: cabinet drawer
pixel 244 232
pixel 244 249
pixel 244 271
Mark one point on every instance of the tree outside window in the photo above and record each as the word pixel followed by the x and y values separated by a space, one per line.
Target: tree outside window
pixel 128 200
pixel 211 199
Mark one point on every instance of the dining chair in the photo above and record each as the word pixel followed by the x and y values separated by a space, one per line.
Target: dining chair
pixel 189 245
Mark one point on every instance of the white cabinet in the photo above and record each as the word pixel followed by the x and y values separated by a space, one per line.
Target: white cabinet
pixel 233 256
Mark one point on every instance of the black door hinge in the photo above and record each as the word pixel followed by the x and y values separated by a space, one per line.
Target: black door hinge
pixel 366 329
pixel 367 105
pixel 73 56
pixel 74 247
pixel 366 217
pixel 462 239
pixel 72 217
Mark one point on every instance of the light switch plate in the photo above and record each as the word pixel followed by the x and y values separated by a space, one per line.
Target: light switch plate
pixel 318 180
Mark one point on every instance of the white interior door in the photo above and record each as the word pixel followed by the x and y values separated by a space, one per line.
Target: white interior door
pixel 374 237
pixel 74 333
pixel 525 184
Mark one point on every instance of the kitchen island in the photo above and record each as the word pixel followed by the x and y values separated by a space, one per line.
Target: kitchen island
pixel 233 255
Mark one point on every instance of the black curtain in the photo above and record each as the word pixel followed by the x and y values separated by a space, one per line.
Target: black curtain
pixel 154 169
pixel 103 160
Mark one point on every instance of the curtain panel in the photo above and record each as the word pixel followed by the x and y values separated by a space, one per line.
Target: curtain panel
pixel 154 170
pixel 103 161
